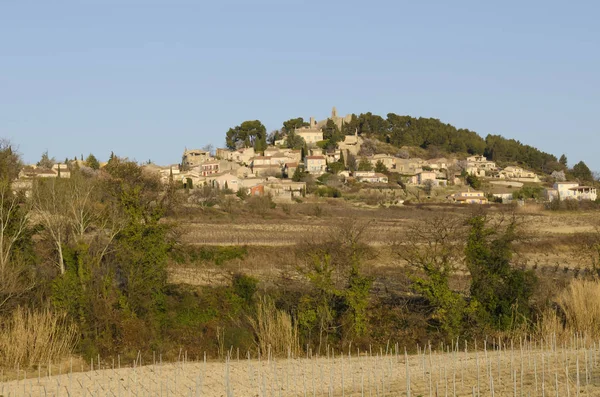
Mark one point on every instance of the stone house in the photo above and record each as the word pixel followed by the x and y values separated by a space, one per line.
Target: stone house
pixel 518 174
pixel 209 168
pixel 194 157
pixel 370 177
pixel 242 156
pixel 333 155
pixel 270 151
pixel 224 181
pixel 289 169
pixel 479 166
pixel 438 164
pixel 311 135
pixel 388 161
pixel 315 165
pixel 266 170
pixel 279 159
pixel 408 166
pixel 284 189
pixel 260 160
pixel 421 177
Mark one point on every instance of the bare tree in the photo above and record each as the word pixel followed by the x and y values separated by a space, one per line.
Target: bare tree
pixel 80 201
pixel 14 220
pixel 52 207
pixel 210 148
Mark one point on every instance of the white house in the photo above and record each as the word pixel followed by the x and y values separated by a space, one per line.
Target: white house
pixel 572 191
pixel 564 190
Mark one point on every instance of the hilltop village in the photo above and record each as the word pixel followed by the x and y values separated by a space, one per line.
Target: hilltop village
pixel 296 163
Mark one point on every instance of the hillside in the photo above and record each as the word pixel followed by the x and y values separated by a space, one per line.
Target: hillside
pixel 441 138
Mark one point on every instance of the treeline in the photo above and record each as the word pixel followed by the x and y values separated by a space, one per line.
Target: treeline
pixel 430 133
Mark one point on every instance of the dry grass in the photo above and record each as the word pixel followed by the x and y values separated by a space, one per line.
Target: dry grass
pixel 580 302
pixel 275 330
pixel 32 337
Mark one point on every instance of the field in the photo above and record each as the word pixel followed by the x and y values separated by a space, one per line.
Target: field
pixel 515 368
pixel 550 244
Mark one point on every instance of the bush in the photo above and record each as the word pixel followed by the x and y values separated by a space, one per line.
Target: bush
pixel 260 205
pixel 327 191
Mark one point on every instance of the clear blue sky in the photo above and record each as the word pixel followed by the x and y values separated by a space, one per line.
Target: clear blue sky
pixel 145 78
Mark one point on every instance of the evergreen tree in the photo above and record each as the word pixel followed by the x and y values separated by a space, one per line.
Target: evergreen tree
pixel 582 172
pixel 380 167
pixel 92 162
pixel 563 160
pixel 365 165
pixel 46 161
pixel 297 177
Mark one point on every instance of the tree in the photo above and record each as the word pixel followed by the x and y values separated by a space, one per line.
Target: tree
pixel 352 163
pixel 563 161
pixel 297 176
pixel 336 167
pixel 15 242
pixel 294 141
pixel 51 203
pixel 582 172
pixel 46 161
pixel 365 165
pixel 250 133
pixel 473 181
pixel 10 162
pixel 332 133
pixel 92 162
pixel 337 304
pixel 434 248
pixel 274 136
pixel 499 293
pixel 293 124
pixel 210 148
pixel 380 167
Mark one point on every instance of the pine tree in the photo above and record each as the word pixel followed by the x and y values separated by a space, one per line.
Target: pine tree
pixel 563 160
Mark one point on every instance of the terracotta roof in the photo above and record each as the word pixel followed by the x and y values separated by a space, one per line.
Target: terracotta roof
pixel 291 164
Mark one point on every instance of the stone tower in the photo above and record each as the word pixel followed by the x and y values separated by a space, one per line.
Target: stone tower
pixel 334 113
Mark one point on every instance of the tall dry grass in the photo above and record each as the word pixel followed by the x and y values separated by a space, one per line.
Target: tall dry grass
pixel 32 337
pixel 579 303
pixel 275 329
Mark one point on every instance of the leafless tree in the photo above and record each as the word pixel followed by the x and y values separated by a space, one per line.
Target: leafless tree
pixel 14 220
pixel 52 207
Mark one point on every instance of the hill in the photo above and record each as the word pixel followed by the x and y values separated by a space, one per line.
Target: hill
pixel 441 138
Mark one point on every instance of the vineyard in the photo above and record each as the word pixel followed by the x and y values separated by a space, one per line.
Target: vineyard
pixel 523 367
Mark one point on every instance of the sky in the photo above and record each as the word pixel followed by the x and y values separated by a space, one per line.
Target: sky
pixel 148 78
